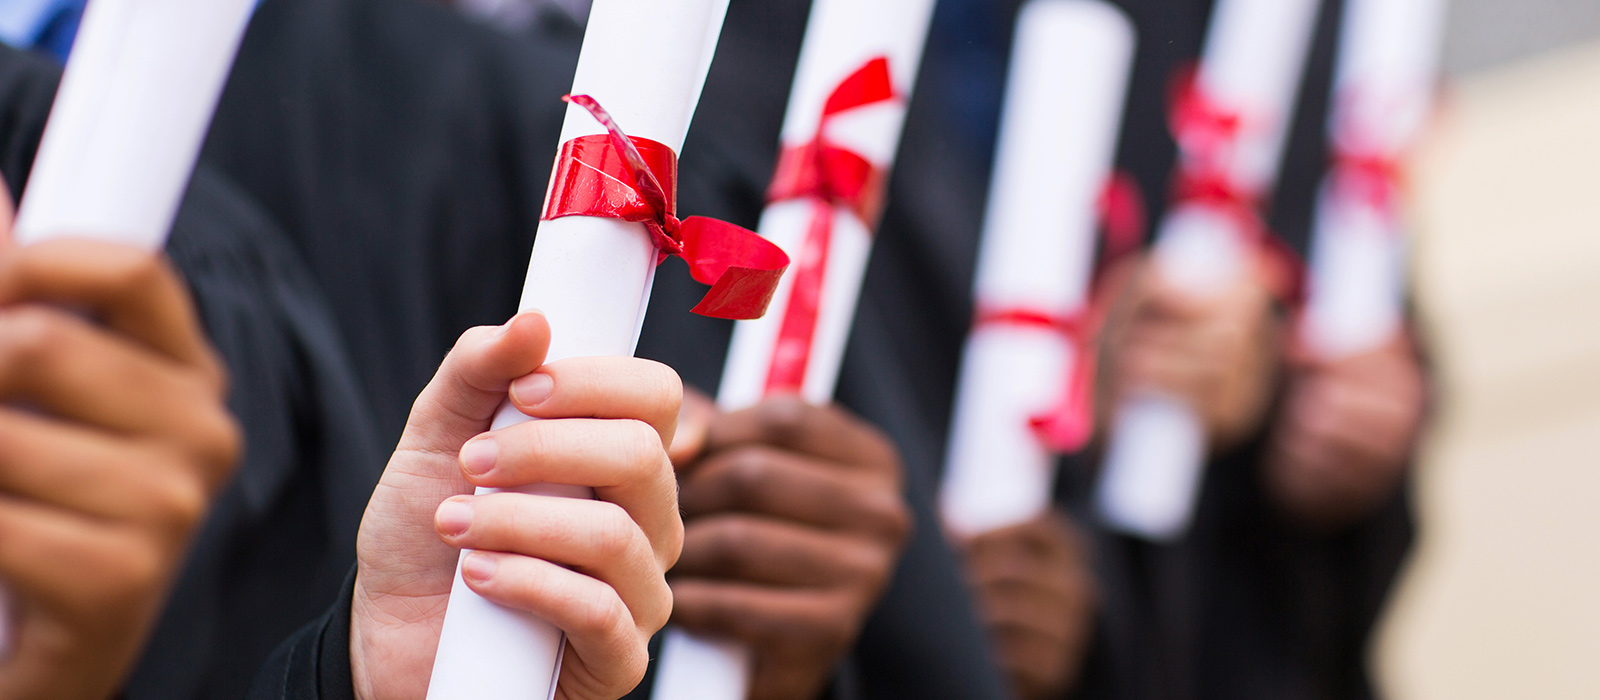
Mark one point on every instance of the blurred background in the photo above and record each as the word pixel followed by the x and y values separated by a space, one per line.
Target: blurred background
pixel 1502 597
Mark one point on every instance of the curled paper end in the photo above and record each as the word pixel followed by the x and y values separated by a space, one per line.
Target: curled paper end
pixel 742 268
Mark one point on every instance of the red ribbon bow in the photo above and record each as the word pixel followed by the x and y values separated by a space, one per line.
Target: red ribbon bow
pixel 1370 176
pixel 1365 167
pixel 1067 425
pixel 1207 133
pixel 615 176
pixel 831 176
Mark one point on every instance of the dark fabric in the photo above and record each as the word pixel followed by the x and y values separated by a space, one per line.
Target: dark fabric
pixel 406 151
pixel 283 534
pixel 314 663
pixel 280 537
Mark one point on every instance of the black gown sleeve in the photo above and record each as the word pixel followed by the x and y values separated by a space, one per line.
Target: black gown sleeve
pixel 314 663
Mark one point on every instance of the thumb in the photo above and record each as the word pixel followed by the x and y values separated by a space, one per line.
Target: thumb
pixel 472 382
pixel 694 425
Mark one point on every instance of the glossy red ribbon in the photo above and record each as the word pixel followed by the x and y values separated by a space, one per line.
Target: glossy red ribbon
pixel 832 177
pixel 614 176
pixel 1066 426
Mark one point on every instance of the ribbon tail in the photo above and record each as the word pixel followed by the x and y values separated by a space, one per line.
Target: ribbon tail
pixel 797 330
pixel 742 268
pixel 1068 426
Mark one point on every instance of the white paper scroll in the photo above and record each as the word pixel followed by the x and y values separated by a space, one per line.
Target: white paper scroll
pixel 1254 59
pixel 1058 136
pixel 127 124
pixel 129 118
pixel 1383 94
pixel 841 35
pixel 645 61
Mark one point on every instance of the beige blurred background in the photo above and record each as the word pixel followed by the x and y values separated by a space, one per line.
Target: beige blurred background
pixel 1502 599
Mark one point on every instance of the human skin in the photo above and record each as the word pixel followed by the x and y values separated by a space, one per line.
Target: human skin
pixel 592 568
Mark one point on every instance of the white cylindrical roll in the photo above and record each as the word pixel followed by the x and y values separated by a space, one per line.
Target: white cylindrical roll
pixel 1252 66
pixel 128 120
pixel 1070 68
pixel 1383 94
pixel 645 62
pixel 841 36
pixel 126 126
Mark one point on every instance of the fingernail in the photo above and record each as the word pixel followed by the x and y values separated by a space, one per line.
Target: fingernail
pixel 478 456
pixel 453 517
pixel 478 567
pixel 533 389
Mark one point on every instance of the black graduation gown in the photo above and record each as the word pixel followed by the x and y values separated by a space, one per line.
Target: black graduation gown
pixel 279 538
pixel 406 150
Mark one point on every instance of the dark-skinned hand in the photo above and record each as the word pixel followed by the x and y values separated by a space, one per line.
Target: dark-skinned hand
pixel 1217 351
pixel 794 522
pixel 114 436
pixel 1346 432
pixel 1036 595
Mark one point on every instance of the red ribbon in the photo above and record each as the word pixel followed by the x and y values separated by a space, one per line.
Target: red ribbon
pixel 1066 426
pixel 615 176
pixel 1207 132
pixel 1365 166
pixel 832 177
pixel 1121 208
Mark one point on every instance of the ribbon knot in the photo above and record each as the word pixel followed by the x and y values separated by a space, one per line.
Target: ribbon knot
pixel 615 176
pixel 1208 133
pixel 1067 425
pixel 832 177
pixel 1370 176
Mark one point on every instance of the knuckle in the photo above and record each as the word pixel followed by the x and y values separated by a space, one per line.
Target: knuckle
pixel 32 336
pixel 838 629
pixel 891 518
pixel 782 419
pixel 613 534
pixel 140 272
pixel 670 549
pixel 726 542
pixel 180 502
pixel 600 612
pixel 641 445
pixel 659 610
pixel 221 443
pixel 213 374
pixel 635 663
pixel 747 473
pixel 139 570
pixel 666 385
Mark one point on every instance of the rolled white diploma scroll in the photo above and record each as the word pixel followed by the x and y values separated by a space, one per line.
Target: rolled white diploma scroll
pixel 129 118
pixel 127 124
pixel 841 36
pixel 1058 136
pixel 1383 93
pixel 1253 62
pixel 645 61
